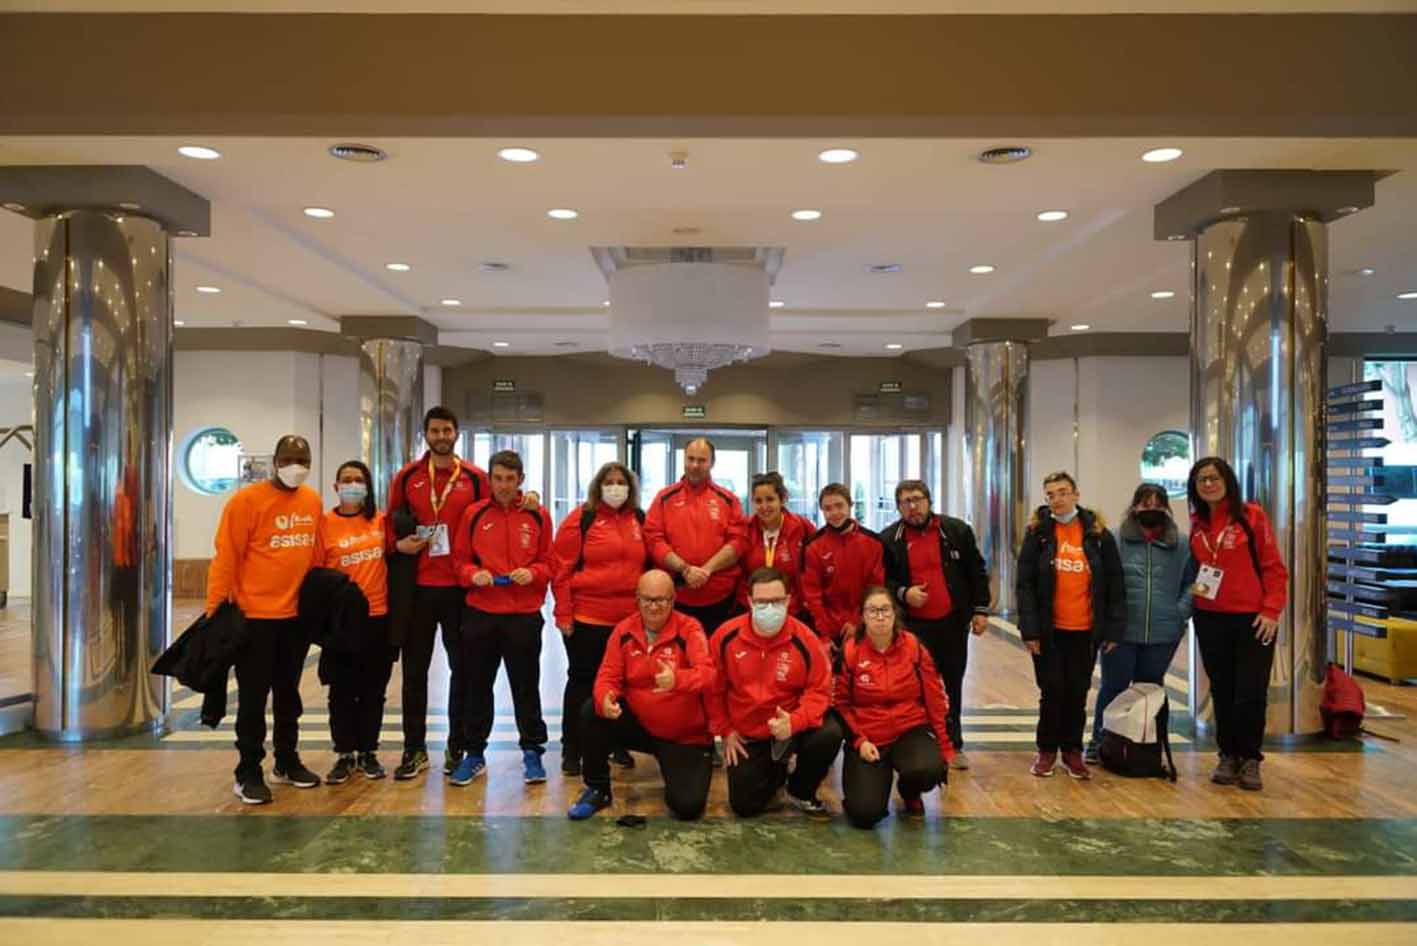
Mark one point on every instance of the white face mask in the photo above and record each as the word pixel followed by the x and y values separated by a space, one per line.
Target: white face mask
pixel 293 475
pixel 615 494
pixel 1068 517
pixel 769 618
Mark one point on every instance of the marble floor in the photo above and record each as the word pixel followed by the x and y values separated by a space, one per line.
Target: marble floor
pixel 140 841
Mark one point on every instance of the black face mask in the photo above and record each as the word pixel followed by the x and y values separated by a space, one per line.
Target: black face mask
pixel 1152 518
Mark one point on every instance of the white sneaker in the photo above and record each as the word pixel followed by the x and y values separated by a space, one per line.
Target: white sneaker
pixel 961 761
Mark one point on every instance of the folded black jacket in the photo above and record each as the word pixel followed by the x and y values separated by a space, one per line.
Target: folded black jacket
pixel 201 659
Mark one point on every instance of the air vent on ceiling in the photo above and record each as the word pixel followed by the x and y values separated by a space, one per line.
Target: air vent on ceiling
pixel 1010 154
pixel 612 259
pixel 363 154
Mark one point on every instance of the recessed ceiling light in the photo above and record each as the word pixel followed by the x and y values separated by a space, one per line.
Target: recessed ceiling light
pixel 894 346
pixel 129 205
pixel 935 305
pixel 1009 154
pixel 178 322
pixel 562 213
pixel 492 267
pixel 452 302
pixel 198 152
pixel 360 154
pixel 567 344
pixel 838 156
pixel 186 233
pixel 319 213
pixel 1161 155
pixel 806 215
pixel 880 268
pixel 209 290
pixel 1366 271
pixel 606 302
pixel 1053 216
pixel 1406 296
pixel 776 304
pixel 1230 210
pixel 1081 327
pixel 1163 294
pixel 983 269
pixel 518 155
pixel 501 344
pixel 296 322
pixel 398 267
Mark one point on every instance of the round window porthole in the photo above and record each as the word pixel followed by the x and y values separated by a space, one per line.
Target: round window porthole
pixel 210 461
pixel 1166 459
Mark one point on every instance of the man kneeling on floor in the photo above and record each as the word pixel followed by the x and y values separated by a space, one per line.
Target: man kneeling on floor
pixel 769 702
pixel 648 697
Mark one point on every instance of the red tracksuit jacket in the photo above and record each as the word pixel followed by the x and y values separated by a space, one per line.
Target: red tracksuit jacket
pixel 613 557
pixel 837 568
pixel 695 520
pixel 1224 544
pixel 755 675
pixel 786 556
pixel 882 696
pixel 629 667
pixel 472 486
pixel 502 539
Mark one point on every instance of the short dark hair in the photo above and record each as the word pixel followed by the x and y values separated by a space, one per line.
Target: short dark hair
pixel 773 479
pixel 764 576
pixel 439 413
pixel 906 485
pixel 507 460
pixel 834 489
pixel 713 451
pixel 371 505
pixel 290 440
pixel 1058 477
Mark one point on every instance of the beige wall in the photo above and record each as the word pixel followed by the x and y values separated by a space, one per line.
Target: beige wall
pixel 782 390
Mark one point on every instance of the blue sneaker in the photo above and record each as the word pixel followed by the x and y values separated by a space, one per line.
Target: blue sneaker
pixel 468 769
pixel 591 801
pixel 533 772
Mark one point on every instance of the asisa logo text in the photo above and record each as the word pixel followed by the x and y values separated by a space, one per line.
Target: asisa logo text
pixel 294 521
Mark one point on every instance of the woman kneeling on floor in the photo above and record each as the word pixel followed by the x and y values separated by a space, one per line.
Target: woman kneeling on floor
pixel 894 706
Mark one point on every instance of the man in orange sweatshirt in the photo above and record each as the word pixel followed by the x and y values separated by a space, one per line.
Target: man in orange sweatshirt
pixel 265 545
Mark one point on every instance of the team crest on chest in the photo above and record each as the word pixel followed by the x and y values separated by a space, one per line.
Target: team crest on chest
pixel 784 666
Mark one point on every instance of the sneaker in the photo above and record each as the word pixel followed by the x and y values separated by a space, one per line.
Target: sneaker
pixel 1044 763
pixel 345 765
pixel 413 762
pixel 369 765
pixel 1250 779
pixel 533 772
pixel 294 773
pixel 591 801
pixel 252 790
pixel 1093 755
pixel 1227 770
pixel 468 769
pixel 622 758
pixel 1074 766
pixel 451 758
pixel 961 761
pixel 570 766
pixel 913 807
pixel 808 806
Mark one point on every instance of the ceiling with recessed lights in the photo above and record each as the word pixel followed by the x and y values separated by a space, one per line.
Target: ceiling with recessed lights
pixel 700 7
pixel 446 208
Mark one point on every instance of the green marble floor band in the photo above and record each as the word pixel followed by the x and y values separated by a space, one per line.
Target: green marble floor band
pixel 770 845
pixel 862 910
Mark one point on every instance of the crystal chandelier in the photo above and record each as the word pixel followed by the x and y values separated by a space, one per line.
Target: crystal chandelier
pixel 691 361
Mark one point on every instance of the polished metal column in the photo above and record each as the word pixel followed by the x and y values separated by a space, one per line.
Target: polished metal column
pixel 390 404
pixel 103 507
pixel 1259 334
pixel 995 485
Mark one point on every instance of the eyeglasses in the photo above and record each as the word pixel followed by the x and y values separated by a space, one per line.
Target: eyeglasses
pixel 1209 479
pixel 879 612
pixel 773 601
pixel 654 602
pixel 915 500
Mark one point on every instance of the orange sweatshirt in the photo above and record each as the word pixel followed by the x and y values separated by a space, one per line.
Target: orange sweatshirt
pixel 264 547
pixel 355 546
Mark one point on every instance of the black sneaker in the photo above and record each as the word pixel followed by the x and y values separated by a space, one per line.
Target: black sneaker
pixel 344 768
pixel 252 790
pixel 294 773
pixel 369 765
pixel 451 758
pixel 622 758
pixel 414 761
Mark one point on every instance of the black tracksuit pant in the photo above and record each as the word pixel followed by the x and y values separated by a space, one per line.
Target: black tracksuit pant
pixel 433 607
pixel 489 640
pixel 269 665
pixel 1238 667
pixel 710 615
pixel 1063 670
pixel 753 782
pixel 687 768
pixel 584 650
pixel 357 686
pixel 947 640
pixel 913 759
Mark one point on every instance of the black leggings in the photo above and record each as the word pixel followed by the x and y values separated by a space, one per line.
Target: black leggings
pixel 584 650
pixel 1238 666
pixel 357 685
pixel 866 786
pixel 753 782
pixel 687 769
pixel 1063 670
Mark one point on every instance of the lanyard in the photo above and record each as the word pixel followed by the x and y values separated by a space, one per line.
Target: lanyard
pixel 1214 550
pixel 771 543
pixel 436 500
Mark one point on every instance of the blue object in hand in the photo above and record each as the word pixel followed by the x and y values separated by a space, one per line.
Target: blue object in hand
pixel 502 580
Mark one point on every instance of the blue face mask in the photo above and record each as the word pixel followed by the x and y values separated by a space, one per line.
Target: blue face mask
pixel 1068 518
pixel 769 618
pixel 353 493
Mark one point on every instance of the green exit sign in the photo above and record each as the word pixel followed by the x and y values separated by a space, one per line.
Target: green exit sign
pixel 695 411
pixel 504 386
pixel 890 387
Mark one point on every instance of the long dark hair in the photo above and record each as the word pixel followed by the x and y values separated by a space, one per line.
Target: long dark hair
pixel 592 499
pixel 371 506
pixel 870 593
pixel 1234 502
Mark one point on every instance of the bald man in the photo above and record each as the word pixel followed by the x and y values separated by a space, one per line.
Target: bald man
pixel 265 545
pixel 648 697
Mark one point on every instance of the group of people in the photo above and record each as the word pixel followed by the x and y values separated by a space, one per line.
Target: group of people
pixel 704 636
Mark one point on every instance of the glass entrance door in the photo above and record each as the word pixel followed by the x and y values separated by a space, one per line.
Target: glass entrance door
pixel 809 460
pixel 657 456
pixel 530 445
pixel 576 456
pixel 878 463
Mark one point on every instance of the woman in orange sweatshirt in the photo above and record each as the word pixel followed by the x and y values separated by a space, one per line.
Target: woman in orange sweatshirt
pixel 265 545
pixel 352 539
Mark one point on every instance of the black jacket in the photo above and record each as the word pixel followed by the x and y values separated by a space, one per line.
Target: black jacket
pixel 202 658
pixel 403 569
pixel 966 575
pixel 1037 577
pixel 333 610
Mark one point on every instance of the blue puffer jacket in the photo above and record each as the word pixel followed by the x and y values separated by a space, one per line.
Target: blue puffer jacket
pixel 1158 577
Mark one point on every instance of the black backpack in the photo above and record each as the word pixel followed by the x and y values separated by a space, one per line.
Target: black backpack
pixel 1135 735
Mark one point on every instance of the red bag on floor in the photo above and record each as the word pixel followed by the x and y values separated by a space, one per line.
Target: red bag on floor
pixel 1343 705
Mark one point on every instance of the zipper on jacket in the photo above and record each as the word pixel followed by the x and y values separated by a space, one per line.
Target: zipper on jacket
pixel 1146 633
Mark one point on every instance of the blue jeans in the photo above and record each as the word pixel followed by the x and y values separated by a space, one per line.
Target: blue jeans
pixel 1128 664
